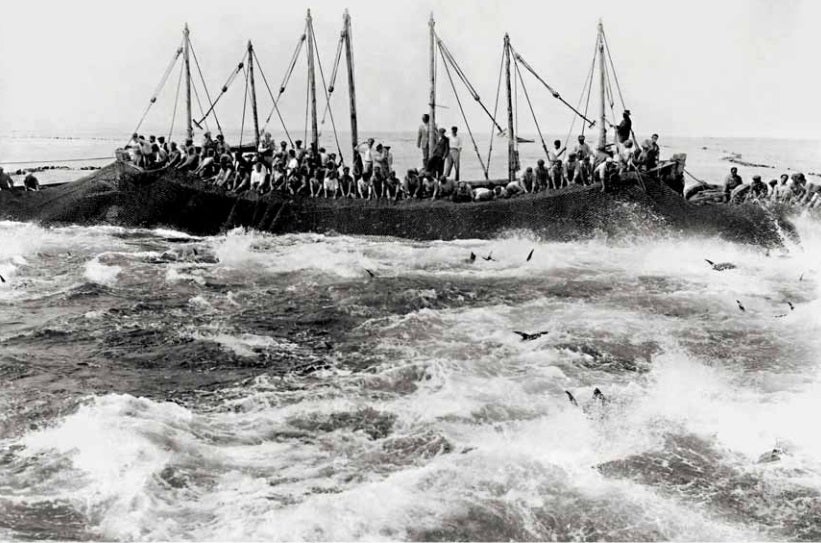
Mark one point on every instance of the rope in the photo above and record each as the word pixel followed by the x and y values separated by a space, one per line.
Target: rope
pixel 197 96
pixel 327 95
pixel 159 86
pixel 615 76
pixel 515 111
pixel 555 94
pixel 334 73
pixel 449 57
pixel 287 77
pixel 694 177
pixel 244 105
pixel 307 102
pixel 495 108
pixel 205 87
pixel 587 88
pixel 464 117
pixel 176 101
pixel 530 105
pixel 265 80
pixel 224 89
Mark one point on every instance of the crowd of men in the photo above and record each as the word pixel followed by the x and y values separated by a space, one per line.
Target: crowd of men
pixel 793 189
pixel 581 165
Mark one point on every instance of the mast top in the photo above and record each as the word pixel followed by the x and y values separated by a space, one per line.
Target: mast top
pixel 250 47
pixel 308 16
pixel 431 21
pixel 185 29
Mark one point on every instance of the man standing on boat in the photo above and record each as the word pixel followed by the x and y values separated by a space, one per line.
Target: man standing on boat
pixel 625 127
pixel 6 182
pixel 555 157
pixel 582 149
pixel 422 139
pixel 454 155
pixel 731 182
pixel 436 165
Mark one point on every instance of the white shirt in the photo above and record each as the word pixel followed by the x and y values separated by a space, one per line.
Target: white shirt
pixel 455 142
pixel 554 155
pixel 258 177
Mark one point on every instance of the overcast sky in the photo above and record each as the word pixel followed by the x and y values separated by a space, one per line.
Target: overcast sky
pixel 729 67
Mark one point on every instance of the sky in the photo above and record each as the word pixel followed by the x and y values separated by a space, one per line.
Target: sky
pixel 742 68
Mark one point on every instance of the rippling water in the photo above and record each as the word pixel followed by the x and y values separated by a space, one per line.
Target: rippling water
pixel 247 386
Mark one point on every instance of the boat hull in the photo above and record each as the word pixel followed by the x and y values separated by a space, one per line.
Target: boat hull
pixel 122 194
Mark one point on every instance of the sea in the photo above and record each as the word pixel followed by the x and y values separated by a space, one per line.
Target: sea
pixel 156 385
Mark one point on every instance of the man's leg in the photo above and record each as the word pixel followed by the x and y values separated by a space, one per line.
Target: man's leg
pixel 457 162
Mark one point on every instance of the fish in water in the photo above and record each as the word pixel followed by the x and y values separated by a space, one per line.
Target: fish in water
pixel 740 305
pixel 571 398
pixel 195 251
pixel 721 266
pixel 792 307
pixel 472 257
pixel 801 277
pixel 530 255
pixel 599 396
pixel 2 279
pixel 370 273
pixel 489 256
pixel 530 337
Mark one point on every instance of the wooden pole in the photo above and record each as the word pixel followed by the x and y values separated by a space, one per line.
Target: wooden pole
pixel 189 127
pixel 253 92
pixel 602 117
pixel 346 32
pixel 511 137
pixel 312 84
pixel 432 121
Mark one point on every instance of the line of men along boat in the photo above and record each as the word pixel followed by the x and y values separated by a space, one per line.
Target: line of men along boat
pixel 314 172
pixel 792 189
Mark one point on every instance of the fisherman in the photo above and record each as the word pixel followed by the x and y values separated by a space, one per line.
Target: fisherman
pixel 191 161
pixel 626 155
pixel 426 184
pixel 625 127
pixel 582 149
pixel 380 159
pixel 731 182
pixel 388 160
pixel 363 188
pixel 299 150
pixel 366 152
pixel 462 193
pixel 554 155
pixel 758 189
pixel 654 154
pixel 444 188
pixel 346 184
pixel 224 177
pixel 258 174
pixel 410 184
pixel 31 183
pixel 293 161
pixel 542 176
pixel 440 152
pixel 569 173
pixel 160 156
pixel 207 143
pixel 582 174
pixel 482 194
pixel 422 138
pixel 528 180
pixel 453 159
pixel 605 171
pixel 6 182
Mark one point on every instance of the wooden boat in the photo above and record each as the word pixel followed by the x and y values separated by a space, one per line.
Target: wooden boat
pixel 124 194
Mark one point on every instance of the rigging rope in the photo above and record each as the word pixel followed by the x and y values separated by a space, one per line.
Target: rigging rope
pixel 244 105
pixel 334 73
pixel 555 94
pixel 205 87
pixel 530 105
pixel 159 86
pixel 495 108
pixel 197 96
pixel 515 134
pixel 287 77
pixel 224 89
pixel 327 95
pixel 176 101
pixel 449 58
pixel 464 117
pixel 615 76
pixel 587 88
pixel 270 93
pixel 307 101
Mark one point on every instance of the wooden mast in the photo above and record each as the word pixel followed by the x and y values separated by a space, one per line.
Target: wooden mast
pixel 346 34
pixel 602 117
pixel 312 84
pixel 253 92
pixel 511 137
pixel 188 126
pixel 432 121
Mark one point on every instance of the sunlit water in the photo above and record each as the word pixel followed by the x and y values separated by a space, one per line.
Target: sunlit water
pixel 255 387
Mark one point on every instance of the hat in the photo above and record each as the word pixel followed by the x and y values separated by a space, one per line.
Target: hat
pixel 756 178
pixel 627 112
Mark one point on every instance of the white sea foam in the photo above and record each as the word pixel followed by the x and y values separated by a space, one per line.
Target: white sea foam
pixel 98 272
